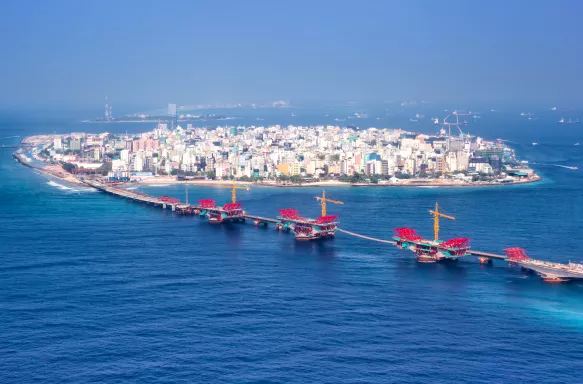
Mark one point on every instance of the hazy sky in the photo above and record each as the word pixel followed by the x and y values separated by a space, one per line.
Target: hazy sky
pixel 154 52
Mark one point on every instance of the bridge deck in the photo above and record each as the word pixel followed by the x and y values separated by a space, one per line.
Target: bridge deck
pixel 153 200
pixel 487 254
pixel 126 193
pixel 260 218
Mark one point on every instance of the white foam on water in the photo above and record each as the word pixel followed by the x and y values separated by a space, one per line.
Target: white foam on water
pixel 70 189
pixel 60 186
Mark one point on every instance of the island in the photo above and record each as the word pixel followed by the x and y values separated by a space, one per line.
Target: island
pixel 290 156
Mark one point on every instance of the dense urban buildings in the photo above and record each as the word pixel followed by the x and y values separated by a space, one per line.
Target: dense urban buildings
pixel 293 153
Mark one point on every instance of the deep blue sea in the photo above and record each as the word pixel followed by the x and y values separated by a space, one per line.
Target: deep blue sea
pixel 98 289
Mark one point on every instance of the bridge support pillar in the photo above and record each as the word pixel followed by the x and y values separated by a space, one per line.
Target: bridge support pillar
pixel 164 206
pixel 173 207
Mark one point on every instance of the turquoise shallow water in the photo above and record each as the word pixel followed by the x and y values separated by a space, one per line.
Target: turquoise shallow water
pixel 98 289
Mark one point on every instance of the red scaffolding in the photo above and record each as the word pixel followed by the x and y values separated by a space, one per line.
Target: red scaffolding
pixel 207 203
pixel 516 254
pixel 459 242
pixel 290 214
pixel 325 219
pixel 406 234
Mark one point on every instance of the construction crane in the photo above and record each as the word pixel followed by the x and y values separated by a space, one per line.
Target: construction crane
pixel 325 200
pixel 436 215
pixel 234 188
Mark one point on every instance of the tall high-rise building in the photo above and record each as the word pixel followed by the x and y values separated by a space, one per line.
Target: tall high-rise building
pixel 75 145
pixel 57 143
pixel 172 109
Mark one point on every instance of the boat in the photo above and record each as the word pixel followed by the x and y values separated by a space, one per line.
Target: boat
pixel 436 121
pixel 553 279
pixel 534 144
pixel 562 120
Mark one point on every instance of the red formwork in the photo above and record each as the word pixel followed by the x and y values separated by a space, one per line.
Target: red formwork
pixel 207 203
pixel 231 206
pixel 326 219
pixel 516 254
pixel 457 243
pixel 290 214
pixel 406 234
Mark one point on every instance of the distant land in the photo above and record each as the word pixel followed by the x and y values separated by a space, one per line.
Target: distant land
pixel 159 118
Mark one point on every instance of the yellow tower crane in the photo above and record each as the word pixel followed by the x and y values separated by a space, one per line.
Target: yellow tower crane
pixel 234 188
pixel 436 215
pixel 325 200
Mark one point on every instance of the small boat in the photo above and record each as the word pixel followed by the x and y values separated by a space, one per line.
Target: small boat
pixel 576 144
pixel 553 279
pixel 562 120
pixel 534 144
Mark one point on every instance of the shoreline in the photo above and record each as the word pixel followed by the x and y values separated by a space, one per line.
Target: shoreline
pixel 55 171
pixel 58 172
pixel 223 183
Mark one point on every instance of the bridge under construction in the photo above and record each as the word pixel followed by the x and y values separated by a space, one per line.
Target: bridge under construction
pixel 326 226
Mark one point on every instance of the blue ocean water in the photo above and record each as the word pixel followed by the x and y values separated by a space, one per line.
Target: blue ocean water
pixel 98 289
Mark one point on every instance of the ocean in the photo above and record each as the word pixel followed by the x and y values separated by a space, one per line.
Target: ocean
pixel 98 289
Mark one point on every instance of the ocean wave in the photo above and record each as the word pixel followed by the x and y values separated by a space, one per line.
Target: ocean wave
pixel 70 189
pixel 60 186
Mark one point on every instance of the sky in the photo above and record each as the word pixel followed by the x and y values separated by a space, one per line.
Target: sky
pixel 142 52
